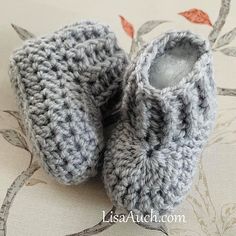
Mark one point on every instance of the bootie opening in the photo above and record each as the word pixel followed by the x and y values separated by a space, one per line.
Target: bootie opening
pixel 174 64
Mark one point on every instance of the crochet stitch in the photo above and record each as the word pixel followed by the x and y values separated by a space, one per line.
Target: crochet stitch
pixel 152 155
pixel 64 84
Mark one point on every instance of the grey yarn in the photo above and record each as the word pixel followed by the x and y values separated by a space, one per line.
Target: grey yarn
pixel 64 84
pixel 152 155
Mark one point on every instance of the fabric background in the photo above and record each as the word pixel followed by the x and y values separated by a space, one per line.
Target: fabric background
pixel 43 207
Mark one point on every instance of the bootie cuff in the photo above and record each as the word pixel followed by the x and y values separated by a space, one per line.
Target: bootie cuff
pixel 189 102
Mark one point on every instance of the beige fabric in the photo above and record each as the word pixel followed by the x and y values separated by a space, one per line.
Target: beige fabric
pixel 43 207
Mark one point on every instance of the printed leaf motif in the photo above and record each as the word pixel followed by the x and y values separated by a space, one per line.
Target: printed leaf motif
pixel 183 232
pixel 99 227
pixel 34 181
pixel 200 213
pixel 224 132
pixel 219 23
pixel 154 226
pixel 149 26
pixel 23 33
pixel 12 191
pixel 16 115
pixel 14 138
pixel 226 91
pixel 203 190
pixel 134 48
pixel 230 51
pixel 202 205
pixel 226 38
pixel 127 26
pixel 228 216
pixel 196 16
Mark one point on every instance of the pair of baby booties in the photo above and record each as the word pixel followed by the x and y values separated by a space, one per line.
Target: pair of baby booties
pixel 68 83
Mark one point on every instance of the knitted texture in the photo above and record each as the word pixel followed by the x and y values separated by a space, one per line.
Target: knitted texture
pixel 152 155
pixel 64 83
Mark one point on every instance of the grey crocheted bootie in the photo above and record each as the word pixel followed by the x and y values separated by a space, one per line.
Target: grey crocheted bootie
pixel 169 108
pixel 64 82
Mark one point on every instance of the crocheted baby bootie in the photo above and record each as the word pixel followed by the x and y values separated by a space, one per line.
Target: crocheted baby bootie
pixel 169 109
pixel 64 82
